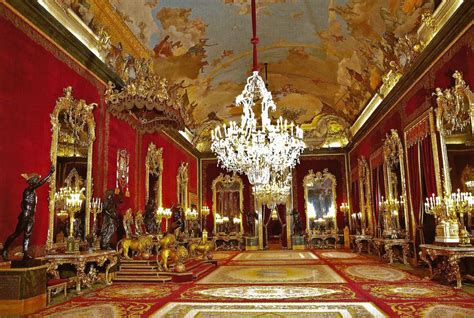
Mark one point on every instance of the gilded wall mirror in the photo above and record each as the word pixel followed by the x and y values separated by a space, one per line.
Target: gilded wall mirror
pixel 364 218
pixel 154 174
pixel 227 203
pixel 320 201
pixel 455 123
pixel 393 208
pixel 182 185
pixel 73 135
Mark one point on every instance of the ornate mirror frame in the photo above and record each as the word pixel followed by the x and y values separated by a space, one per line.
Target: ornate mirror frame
pixel 319 177
pixel 182 185
pixel 81 111
pixel 365 196
pixel 454 114
pixel 227 180
pixel 154 166
pixel 393 154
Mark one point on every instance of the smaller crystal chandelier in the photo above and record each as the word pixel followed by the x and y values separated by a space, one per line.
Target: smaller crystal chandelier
pixel 275 192
pixel 257 149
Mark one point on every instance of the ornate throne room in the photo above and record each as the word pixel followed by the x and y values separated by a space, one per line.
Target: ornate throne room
pixel 237 158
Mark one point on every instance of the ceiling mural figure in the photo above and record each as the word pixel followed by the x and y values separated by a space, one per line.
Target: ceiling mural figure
pixel 326 59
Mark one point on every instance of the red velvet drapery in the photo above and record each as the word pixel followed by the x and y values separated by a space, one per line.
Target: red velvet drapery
pixel 422 183
pixel 378 191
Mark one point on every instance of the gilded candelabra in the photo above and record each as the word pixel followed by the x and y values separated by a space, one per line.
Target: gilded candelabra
pixel 447 226
pixel 390 208
pixel 204 213
pixel 191 216
pixel 462 203
pixel 160 214
pixel 167 214
pixel 96 208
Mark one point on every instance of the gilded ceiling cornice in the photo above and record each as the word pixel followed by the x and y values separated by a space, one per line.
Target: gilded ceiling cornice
pixel 104 14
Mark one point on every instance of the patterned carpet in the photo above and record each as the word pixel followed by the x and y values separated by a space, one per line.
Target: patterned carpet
pixel 318 283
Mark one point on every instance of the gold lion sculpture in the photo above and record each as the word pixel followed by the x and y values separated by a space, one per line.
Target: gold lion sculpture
pixel 202 249
pixel 177 255
pixel 140 245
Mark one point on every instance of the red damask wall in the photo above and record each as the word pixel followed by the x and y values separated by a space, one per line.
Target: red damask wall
pixel 33 74
pixel 173 155
pixel 31 79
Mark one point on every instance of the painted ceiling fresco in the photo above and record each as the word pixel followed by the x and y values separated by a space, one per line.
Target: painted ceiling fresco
pixel 326 58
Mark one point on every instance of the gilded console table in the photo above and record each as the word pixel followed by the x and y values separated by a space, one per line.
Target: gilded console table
pixel 448 262
pixel 389 245
pixel 327 240
pixel 228 242
pixel 358 242
pixel 80 260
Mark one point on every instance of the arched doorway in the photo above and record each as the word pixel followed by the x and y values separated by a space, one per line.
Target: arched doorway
pixel 274 227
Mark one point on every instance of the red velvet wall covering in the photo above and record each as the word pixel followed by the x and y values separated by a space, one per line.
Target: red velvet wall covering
pixel 121 136
pixel 173 155
pixel 31 79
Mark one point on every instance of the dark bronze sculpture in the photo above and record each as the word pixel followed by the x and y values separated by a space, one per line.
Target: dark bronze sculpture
pixel 110 218
pixel 177 218
pixel 151 224
pixel 297 224
pixel 251 217
pixel 26 219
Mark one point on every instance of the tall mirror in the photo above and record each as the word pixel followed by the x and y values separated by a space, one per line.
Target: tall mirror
pixel 154 174
pixel 455 123
pixel 227 203
pixel 395 223
pixel 365 216
pixel 73 135
pixel 182 185
pixel 320 202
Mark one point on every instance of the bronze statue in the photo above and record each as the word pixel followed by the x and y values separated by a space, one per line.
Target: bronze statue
pixel 177 225
pixel 151 225
pixel 251 217
pixel 297 224
pixel 110 218
pixel 26 219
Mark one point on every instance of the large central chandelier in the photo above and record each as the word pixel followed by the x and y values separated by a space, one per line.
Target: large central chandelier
pixel 257 149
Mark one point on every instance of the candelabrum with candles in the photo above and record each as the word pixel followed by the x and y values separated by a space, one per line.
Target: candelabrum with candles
pixel 204 213
pixel 160 214
pixel 96 208
pixel 463 203
pixel 191 216
pixel 320 225
pixel 447 227
pixel 69 200
pixel 391 222
pixel 167 215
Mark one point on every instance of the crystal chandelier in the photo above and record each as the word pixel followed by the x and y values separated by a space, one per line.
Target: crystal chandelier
pixel 257 149
pixel 275 192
